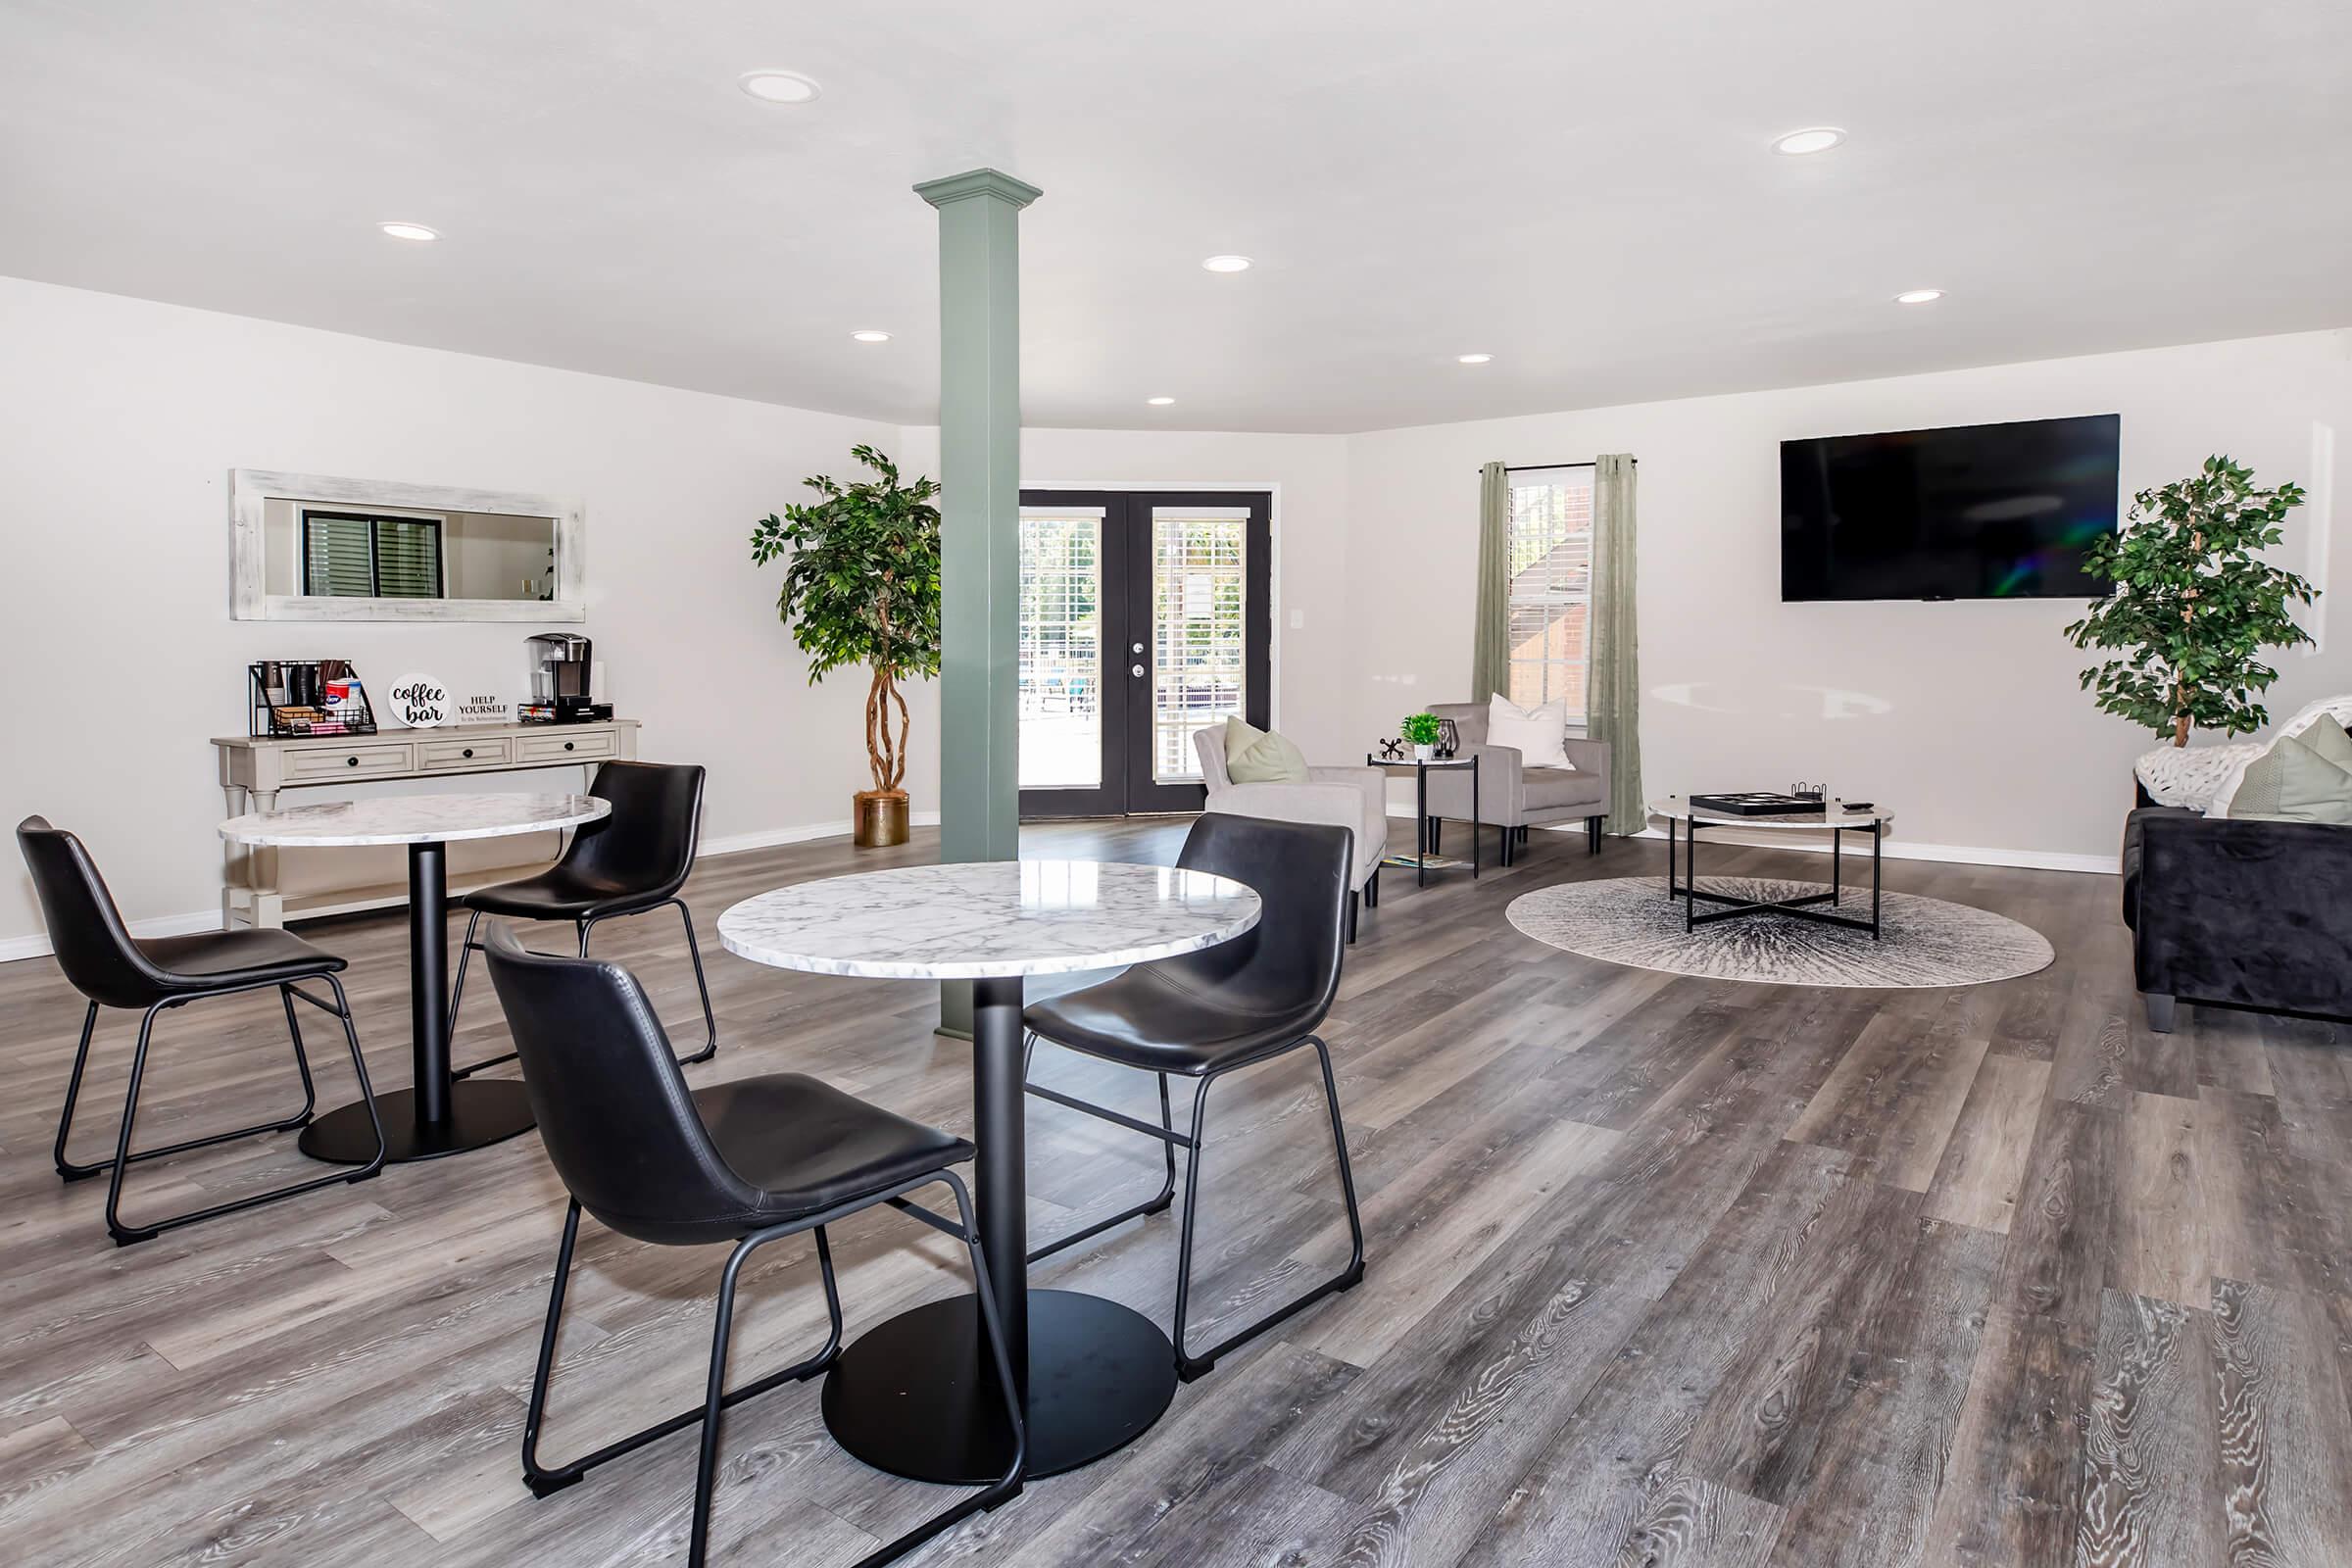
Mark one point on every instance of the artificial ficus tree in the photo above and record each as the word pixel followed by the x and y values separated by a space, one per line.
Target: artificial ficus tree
pixel 861 587
pixel 2193 604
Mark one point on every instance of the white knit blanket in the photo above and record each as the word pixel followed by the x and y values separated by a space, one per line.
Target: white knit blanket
pixel 2206 777
pixel 2192 775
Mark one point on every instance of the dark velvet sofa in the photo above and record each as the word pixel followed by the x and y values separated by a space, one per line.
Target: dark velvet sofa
pixel 2238 914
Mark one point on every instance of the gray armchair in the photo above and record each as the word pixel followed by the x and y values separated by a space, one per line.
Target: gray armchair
pixel 1353 797
pixel 1511 795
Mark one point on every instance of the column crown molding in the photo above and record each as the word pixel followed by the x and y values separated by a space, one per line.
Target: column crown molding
pixel 978 182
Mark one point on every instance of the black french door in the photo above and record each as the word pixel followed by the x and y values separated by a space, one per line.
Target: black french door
pixel 1145 615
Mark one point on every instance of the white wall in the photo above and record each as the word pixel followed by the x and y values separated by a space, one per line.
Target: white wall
pixel 1308 476
pixel 1965 717
pixel 122 420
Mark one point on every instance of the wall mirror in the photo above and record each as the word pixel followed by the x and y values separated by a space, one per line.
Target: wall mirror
pixel 317 546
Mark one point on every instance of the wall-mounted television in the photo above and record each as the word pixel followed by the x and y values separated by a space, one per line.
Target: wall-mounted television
pixel 1968 511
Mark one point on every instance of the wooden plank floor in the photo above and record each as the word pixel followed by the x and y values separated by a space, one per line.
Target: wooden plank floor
pixel 1662 1271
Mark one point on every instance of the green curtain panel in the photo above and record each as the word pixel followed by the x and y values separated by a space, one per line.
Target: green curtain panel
pixel 1491 635
pixel 1613 694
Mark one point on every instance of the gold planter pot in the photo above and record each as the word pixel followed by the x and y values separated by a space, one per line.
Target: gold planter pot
pixel 881 819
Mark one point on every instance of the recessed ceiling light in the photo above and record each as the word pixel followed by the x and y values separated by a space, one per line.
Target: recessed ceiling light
pixel 1159 403
pixel 1474 359
pixel 409 231
pixel 779 86
pixel 1812 139
pixel 1227 264
pixel 869 334
pixel 1918 296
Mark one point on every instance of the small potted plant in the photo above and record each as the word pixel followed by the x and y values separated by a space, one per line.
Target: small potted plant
pixel 1423 730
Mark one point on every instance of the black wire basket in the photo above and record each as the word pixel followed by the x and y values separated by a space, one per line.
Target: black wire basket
pixel 297 697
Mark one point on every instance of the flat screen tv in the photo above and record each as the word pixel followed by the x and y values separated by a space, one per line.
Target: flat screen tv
pixel 1969 511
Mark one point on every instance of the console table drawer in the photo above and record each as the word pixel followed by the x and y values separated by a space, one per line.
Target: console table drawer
pixel 455 756
pixel 361 760
pixel 563 747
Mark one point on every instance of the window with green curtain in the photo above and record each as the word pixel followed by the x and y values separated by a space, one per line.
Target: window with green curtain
pixel 1550 593
pixel 361 556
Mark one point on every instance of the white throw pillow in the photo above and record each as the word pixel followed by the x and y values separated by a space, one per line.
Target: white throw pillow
pixel 1535 733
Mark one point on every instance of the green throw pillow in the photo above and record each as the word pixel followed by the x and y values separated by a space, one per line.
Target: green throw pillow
pixel 2302 778
pixel 1254 756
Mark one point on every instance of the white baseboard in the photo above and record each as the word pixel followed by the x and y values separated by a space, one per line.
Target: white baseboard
pixel 1895 850
pixel 36 944
pixel 768 838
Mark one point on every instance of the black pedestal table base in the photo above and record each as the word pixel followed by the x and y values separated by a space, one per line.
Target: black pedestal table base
pixel 439 1116
pixel 481 1111
pixel 911 1398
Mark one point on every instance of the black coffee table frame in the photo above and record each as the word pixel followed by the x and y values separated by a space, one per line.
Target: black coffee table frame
pixel 1732 908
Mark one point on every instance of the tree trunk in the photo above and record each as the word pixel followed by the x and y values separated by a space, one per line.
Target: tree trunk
pixel 877 731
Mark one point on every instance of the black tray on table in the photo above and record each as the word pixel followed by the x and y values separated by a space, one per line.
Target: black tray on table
pixel 1757 803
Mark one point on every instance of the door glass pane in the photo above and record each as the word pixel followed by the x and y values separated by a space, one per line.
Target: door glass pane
pixel 1061 648
pixel 1198 620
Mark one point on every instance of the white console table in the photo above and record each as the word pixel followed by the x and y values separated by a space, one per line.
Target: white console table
pixel 254 769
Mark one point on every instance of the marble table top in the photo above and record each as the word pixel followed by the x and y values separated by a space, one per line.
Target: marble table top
pixel 1835 815
pixel 989 919
pixel 414 820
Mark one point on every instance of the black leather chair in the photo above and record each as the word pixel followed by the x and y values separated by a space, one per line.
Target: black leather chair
pixel 631 862
pixel 749 1163
pixel 1208 1013
pixel 111 967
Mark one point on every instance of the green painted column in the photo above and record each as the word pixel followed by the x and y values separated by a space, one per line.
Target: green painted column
pixel 980 496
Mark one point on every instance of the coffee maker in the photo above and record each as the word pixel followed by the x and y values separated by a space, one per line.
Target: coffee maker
pixel 563 666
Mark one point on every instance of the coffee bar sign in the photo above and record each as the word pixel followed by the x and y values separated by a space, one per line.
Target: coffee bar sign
pixel 419 701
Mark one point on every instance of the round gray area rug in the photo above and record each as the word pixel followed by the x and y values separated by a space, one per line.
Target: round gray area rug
pixel 1925 942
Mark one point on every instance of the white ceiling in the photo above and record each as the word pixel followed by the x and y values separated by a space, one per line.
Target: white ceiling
pixel 1583 190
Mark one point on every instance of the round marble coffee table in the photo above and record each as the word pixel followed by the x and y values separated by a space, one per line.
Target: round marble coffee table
pixel 1836 817
pixel 910 1397
pixel 439 1116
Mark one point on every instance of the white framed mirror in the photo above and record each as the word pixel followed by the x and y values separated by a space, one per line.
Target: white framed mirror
pixel 319 547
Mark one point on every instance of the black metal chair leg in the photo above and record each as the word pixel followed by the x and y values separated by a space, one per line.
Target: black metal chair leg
pixel 456 1000
pixel 1372 889
pixel 302 1059
pixel 694 952
pixel 542 1479
pixel 718 1400
pixel 702 986
pixel 65 1168
pixel 1188 1366
pixel 715 1398
pixel 1352 901
pixel 70 1171
pixel 1158 1202
pixel 115 1227
pixel 126 1235
pixel 1007 1486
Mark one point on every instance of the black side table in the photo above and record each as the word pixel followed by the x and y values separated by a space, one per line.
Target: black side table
pixel 1421 767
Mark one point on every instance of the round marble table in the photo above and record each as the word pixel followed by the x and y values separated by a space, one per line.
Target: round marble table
pixel 439 1116
pixel 910 1397
pixel 1837 817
